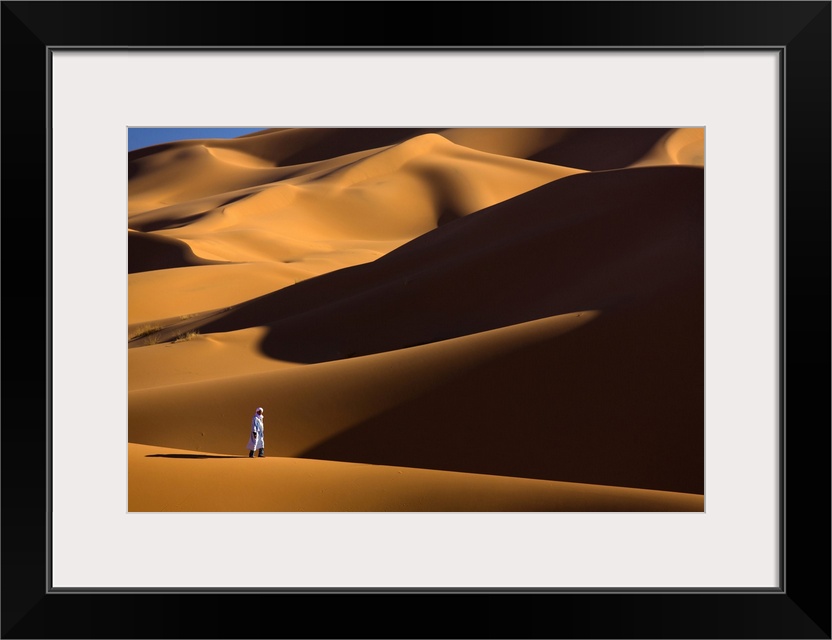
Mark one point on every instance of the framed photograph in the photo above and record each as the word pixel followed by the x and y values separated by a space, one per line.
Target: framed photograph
pixel 526 337
pixel 427 316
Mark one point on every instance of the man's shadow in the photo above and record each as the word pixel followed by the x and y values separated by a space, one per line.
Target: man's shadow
pixel 189 456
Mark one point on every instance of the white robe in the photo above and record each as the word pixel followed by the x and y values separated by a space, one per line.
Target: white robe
pixel 255 438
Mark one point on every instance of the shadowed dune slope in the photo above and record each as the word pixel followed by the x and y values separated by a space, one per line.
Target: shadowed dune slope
pixel 614 400
pixel 617 402
pixel 590 241
pixel 591 149
pixel 148 252
pixel 349 212
pixel 601 148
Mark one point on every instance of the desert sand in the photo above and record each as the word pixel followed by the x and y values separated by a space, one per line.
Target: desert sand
pixel 451 319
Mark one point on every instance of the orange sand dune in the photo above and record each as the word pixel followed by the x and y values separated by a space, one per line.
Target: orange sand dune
pixel 678 146
pixel 591 149
pixel 516 309
pixel 590 241
pixel 462 404
pixel 314 223
pixel 163 479
pixel 150 252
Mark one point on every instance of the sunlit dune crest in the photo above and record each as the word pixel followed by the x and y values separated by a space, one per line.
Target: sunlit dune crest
pixel 679 146
pixel 443 319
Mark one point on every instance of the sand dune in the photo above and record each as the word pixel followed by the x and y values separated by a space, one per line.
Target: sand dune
pixel 472 306
pixel 169 476
pixel 591 241
pixel 591 149
pixel 327 217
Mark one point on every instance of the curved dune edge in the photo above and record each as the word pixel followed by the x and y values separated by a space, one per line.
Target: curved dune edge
pixel 198 208
pixel 596 239
pixel 207 386
pixel 459 405
pixel 163 479
pixel 678 146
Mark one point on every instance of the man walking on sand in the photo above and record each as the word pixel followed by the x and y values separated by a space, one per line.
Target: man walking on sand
pixel 255 438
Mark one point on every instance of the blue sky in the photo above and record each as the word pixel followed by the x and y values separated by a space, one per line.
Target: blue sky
pixel 138 137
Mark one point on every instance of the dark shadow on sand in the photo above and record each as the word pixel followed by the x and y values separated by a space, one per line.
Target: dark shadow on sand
pixel 188 456
pixel 550 251
pixel 615 402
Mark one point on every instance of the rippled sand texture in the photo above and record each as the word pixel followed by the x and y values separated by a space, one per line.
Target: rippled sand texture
pixel 433 320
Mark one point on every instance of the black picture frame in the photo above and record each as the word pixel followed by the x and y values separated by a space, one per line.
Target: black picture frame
pixel 799 608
